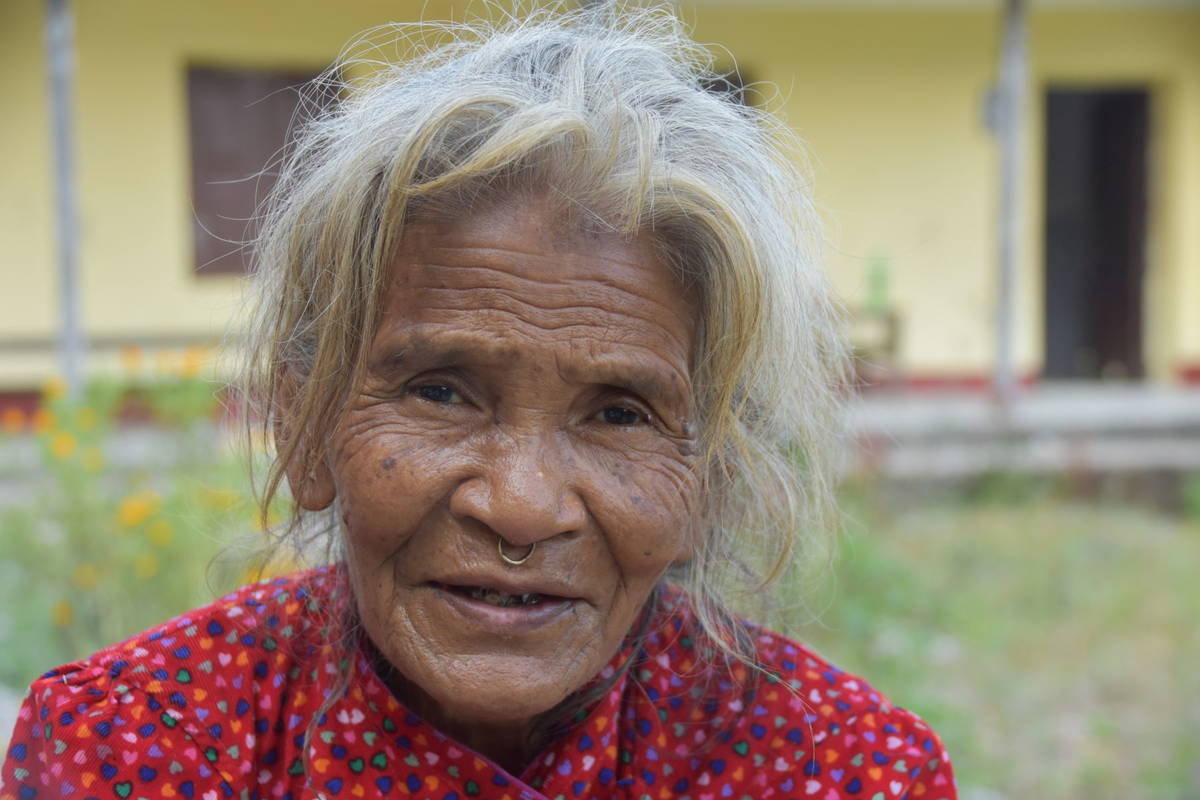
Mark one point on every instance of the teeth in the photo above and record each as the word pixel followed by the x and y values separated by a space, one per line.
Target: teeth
pixel 495 598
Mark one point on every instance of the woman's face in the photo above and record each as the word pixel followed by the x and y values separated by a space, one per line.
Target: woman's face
pixel 527 383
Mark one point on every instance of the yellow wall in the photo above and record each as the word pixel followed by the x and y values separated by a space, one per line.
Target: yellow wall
pixel 26 210
pixel 133 157
pixel 889 104
pixel 888 100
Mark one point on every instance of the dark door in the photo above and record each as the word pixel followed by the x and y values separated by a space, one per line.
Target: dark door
pixel 1095 232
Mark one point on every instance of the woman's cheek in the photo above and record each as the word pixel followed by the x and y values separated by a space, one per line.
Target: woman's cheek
pixel 389 476
pixel 644 507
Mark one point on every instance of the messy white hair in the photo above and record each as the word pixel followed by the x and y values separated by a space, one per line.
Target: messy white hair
pixel 612 110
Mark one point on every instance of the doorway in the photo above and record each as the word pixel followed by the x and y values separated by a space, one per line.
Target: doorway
pixel 1095 233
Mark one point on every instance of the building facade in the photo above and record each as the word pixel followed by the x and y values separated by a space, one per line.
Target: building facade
pixel 890 99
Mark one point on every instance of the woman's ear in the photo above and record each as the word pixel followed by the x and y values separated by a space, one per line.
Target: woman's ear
pixel 314 491
pixel 312 486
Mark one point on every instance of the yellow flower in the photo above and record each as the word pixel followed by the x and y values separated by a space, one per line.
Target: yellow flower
pixel 43 420
pixel 160 533
pixel 277 564
pixel 281 564
pixel 134 509
pixel 219 499
pixel 62 446
pixel 263 523
pixel 131 358
pixel 13 420
pixel 85 418
pixel 193 361
pixel 145 565
pixel 54 388
pixel 86 576
pixel 250 575
pixel 93 459
pixel 62 614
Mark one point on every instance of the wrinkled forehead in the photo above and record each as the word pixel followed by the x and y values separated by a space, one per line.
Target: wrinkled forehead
pixel 516 270
pixel 546 239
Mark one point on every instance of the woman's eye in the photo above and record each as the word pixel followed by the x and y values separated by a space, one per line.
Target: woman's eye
pixel 620 415
pixel 437 393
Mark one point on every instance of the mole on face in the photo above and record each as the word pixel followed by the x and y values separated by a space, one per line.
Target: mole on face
pixel 388 463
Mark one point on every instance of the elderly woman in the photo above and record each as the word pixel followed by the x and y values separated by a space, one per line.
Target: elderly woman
pixel 550 368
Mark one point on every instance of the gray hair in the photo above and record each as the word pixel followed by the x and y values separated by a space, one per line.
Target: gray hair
pixel 607 109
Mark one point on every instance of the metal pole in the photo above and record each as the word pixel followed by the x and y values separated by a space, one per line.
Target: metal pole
pixel 1012 96
pixel 60 55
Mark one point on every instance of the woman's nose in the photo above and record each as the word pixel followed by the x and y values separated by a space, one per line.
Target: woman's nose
pixel 524 494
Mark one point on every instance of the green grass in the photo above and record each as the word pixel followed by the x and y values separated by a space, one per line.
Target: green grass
pixel 93 552
pixel 1053 646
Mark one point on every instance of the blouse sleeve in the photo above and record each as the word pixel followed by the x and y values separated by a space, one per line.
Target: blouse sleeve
pixel 82 733
pixel 931 776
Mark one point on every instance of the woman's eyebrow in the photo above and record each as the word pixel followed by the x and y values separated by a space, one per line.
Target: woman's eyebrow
pixel 447 350
pixel 646 380
pixel 635 372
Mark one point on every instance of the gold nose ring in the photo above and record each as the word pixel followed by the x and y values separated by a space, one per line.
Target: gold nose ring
pixel 514 561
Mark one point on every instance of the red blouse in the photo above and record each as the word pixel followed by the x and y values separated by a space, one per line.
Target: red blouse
pixel 218 704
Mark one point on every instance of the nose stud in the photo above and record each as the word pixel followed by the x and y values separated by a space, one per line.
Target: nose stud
pixel 514 561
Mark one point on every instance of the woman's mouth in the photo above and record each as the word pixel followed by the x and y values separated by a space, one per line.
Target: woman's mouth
pixel 498 598
pixel 495 597
pixel 500 611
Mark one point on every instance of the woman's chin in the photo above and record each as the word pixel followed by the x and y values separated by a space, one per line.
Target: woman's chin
pixel 468 660
pixel 498 691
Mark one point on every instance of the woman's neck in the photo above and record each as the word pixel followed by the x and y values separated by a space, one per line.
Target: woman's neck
pixel 509 744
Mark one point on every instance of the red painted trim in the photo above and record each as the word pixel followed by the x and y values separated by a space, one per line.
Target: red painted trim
pixel 1189 374
pixel 23 403
pixel 972 382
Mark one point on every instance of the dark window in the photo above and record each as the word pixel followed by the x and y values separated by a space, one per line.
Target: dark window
pixel 238 121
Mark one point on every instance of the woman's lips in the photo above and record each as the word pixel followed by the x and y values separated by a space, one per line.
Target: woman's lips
pixel 517 615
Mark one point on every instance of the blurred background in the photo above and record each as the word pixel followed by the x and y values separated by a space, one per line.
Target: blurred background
pixel 1010 194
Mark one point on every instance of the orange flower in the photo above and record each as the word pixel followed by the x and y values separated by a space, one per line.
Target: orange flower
pixel 43 420
pixel 13 420
pixel 135 509
pixel 131 358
